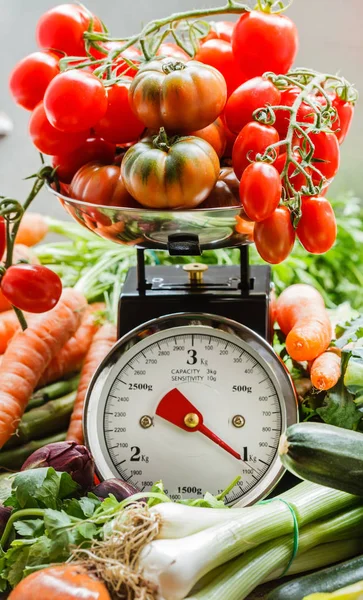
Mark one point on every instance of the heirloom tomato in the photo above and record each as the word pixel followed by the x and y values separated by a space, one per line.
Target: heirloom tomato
pixel 100 184
pixel 219 54
pixel 275 236
pixel 62 28
pixel 31 76
pixel 253 139
pixel 161 173
pixel 119 124
pixel 93 149
pixel 33 288
pixel 264 42
pixel 50 140
pixel 215 135
pixel 75 100
pixel 260 190
pixel 225 192
pixel 248 97
pixel 220 30
pixel 317 228
pixel 176 95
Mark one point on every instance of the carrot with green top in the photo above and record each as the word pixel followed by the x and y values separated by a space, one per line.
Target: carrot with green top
pixel 29 354
pixel 101 344
pixel 71 356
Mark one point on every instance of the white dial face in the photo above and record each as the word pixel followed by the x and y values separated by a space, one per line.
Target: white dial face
pixel 195 407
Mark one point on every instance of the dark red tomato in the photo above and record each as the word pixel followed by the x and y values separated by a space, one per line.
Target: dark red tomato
pixel 49 140
pixel 221 30
pixel 297 180
pixel 172 50
pixel 119 125
pixel 230 138
pixel 215 135
pixel 31 76
pixel 345 112
pixel 326 156
pixel 253 139
pixel 62 28
pixel 121 67
pixel 219 54
pixel 305 113
pixel 274 238
pixel 260 190
pixel 2 236
pixel 94 149
pixel 100 184
pixel 264 42
pixel 317 228
pixel 75 100
pixel 33 288
pixel 248 97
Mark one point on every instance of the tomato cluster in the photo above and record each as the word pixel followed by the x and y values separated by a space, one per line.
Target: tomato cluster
pixel 129 126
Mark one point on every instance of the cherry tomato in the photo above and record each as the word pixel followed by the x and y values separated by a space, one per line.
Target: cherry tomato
pixel 172 50
pixel 220 30
pixel 253 139
pixel 2 237
pixel 100 184
pixel 121 67
pixel 260 190
pixel 275 236
pixel 317 228
pixel 305 113
pixel 219 54
pixel 62 28
pixel 345 112
pixel 49 140
pixel 33 288
pixel 31 76
pixel 93 149
pixel 297 180
pixel 326 156
pixel 75 100
pixel 264 42
pixel 119 125
pixel 248 97
pixel 215 135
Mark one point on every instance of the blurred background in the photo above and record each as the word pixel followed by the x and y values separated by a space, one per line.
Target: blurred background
pixel 330 41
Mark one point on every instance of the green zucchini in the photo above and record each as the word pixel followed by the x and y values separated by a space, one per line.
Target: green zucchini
pixel 324 454
pixel 326 580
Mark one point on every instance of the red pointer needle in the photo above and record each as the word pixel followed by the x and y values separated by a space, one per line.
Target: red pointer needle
pixel 174 407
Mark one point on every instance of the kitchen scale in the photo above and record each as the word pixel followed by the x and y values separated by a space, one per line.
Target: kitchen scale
pixel 192 393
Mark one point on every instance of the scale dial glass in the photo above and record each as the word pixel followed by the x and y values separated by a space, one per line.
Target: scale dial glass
pixel 231 383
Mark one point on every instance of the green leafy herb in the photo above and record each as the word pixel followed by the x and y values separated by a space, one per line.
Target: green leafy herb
pixel 40 488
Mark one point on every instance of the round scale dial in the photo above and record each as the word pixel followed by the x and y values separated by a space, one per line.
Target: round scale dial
pixel 194 400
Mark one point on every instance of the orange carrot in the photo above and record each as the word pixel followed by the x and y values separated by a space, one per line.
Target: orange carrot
pixel 33 228
pixel 9 324
pixel 29 354
pixel 73 353
pixel 102 342
pixel 326 370
pixel 302 316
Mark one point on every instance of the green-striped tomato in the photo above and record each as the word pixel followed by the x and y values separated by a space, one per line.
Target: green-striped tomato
pixel 176 174
pixel 179 96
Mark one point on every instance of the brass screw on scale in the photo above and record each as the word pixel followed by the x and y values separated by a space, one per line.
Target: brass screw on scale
pixel 195 272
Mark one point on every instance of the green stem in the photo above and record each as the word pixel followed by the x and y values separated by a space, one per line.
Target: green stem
pixel 53 391
pixel 22 320
pixel 15 457
pixel 19 514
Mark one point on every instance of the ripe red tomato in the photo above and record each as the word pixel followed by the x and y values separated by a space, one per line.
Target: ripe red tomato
pixel 260 190
pixel 100 184
pixel 253 139
pixel 62 28
pixel 172 50
pixel 220 30
pixel 75 100
pixel 275 236
pixel 219 54
pixel 317 228
pixel 230 138
pixel 297 180
pixel 31 76
pixel 326 156
pixel 345 112
pixel 264 42
pixel 305 113
pixel 33 288
pixel 248 97
pixel 119 125
pixel 93 149
pixel 121 67
pixel 215 135
pixel 49 140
